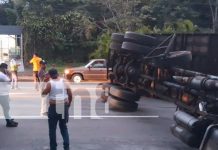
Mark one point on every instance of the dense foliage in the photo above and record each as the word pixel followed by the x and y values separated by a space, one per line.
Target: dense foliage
pixel 69 30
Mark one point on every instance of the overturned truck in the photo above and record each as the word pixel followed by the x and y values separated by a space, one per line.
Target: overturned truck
pixel 148 65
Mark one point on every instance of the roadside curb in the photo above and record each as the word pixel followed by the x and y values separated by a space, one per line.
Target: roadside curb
pixel 25 78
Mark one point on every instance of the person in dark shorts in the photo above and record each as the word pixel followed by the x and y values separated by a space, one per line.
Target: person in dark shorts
pixel 60 98
pixel 36 67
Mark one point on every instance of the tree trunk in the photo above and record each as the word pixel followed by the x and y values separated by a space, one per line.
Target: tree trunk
pixel 215 23
pixel 25 38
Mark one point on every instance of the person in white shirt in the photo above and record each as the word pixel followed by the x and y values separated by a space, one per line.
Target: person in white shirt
pixel 4 95
pixel 14 75
pixel 60 98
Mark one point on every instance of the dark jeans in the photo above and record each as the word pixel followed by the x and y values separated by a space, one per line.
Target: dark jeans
pixel 36 79
pixel 53 119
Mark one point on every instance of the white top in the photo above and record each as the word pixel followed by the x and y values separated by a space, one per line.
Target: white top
pixel 58 90
pixel 13 62
pixel 4 84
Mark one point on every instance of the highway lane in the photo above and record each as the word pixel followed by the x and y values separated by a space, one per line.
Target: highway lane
pixel 94 127
pixel 25 101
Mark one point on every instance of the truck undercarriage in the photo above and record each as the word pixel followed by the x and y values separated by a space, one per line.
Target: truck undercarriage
pixel 147 65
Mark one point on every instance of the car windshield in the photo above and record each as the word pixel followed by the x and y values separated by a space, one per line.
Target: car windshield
pixel 89 63
pixel 96 64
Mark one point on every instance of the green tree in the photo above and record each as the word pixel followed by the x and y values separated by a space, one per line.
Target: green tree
pixel 54 34
pixel 8 15
pixel 103 46
pixel 74 28
pixel 122 15
pixel 167 12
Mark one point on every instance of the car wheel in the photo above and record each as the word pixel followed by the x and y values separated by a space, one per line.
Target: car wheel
pixel 141 39
pixel 77 78
pixel 135 48
pixel 117 105
pixel 124 94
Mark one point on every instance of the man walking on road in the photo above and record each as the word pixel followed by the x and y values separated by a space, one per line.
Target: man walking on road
pixel 36 67
pixel 4 95
pixel 60 98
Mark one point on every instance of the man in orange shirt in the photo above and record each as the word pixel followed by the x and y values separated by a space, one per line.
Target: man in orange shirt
pixel 36 67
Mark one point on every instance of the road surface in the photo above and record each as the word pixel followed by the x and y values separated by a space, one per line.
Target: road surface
pixel 91 126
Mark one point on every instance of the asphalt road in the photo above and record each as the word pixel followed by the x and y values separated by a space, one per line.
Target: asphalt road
pixel 91 126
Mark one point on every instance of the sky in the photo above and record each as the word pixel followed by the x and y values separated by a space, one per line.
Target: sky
pixel 3 1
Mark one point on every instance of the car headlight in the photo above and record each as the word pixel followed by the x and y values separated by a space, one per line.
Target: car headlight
pixel 66 71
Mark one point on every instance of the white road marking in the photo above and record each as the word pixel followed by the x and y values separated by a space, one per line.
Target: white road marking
pixel 23 95
pixel 74 87
pixel 78 117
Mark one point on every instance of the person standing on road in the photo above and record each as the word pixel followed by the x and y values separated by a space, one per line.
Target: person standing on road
pixel 14 75
pixel 4 95
pixel 36 66
pixel 42 71
pixel 60 98
pixel 43 77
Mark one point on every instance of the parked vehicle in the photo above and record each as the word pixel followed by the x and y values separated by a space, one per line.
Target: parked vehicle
pixel 95 70
pixel 144 64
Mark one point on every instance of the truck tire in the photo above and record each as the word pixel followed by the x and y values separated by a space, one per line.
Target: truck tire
pixel 124 94
pixel 135 48
pixel 109 85
pixel 105 93
pixel 117 37
pixel 115 46
pixel 137 38
pixel 117 105
pixel 103 97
